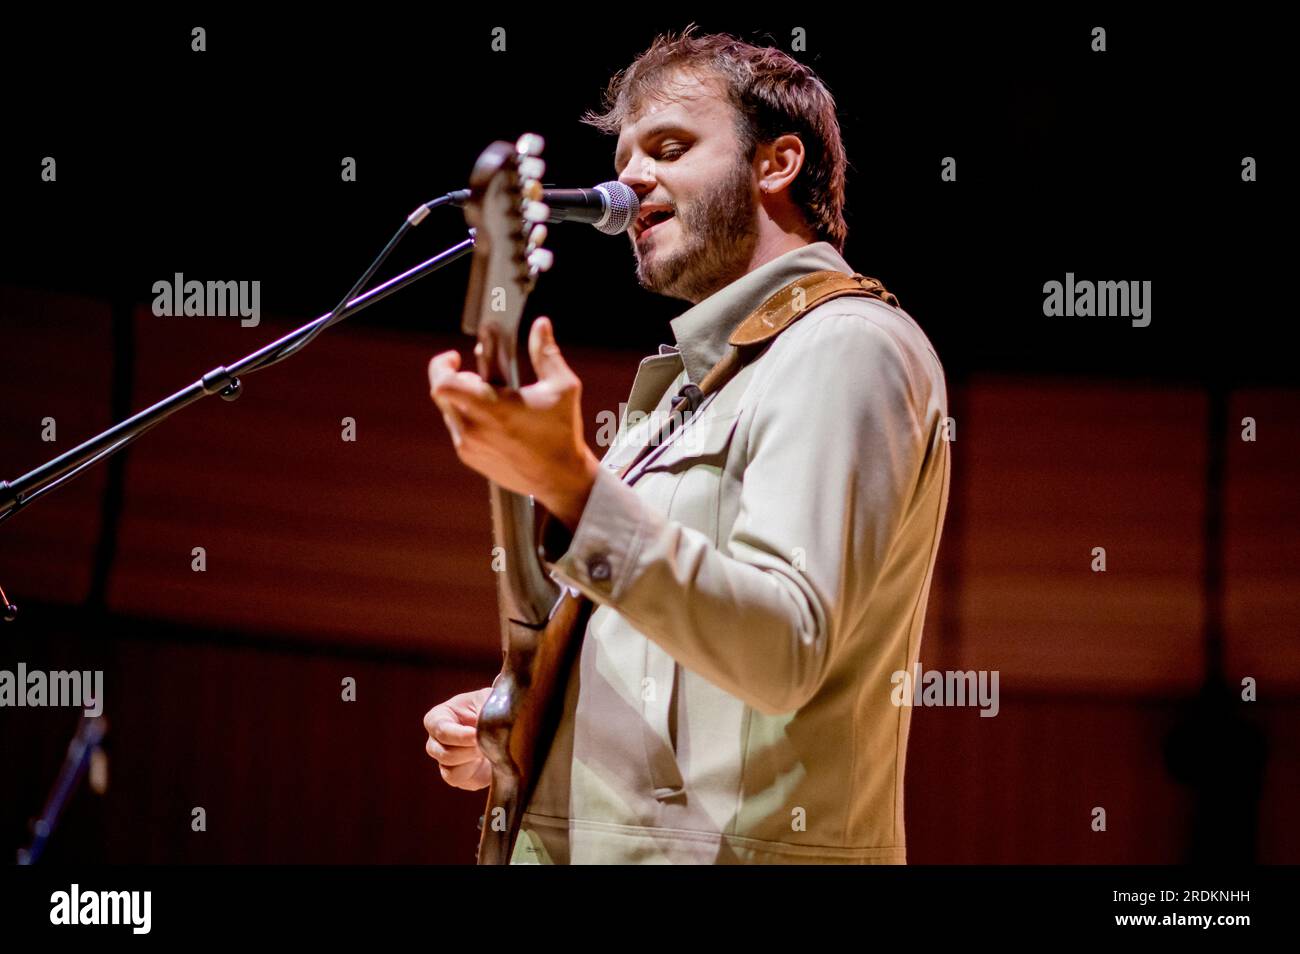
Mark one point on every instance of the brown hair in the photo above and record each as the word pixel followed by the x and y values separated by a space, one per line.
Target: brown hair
pixel 773 94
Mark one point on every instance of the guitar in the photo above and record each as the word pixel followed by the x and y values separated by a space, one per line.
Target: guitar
pixel 539 627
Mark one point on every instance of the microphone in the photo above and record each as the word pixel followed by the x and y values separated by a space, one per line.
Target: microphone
pixel 611 207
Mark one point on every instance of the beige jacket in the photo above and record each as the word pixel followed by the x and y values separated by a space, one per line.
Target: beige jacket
pixel 758 580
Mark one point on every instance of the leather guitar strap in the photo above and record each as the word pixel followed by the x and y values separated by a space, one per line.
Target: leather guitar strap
pixel 773 316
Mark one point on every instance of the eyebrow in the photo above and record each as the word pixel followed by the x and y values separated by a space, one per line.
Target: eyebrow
pixel 657 129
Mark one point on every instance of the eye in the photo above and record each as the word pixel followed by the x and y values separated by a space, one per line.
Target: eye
pixel 671 150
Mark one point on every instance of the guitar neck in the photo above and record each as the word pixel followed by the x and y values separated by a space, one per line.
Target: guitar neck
pixel 525 593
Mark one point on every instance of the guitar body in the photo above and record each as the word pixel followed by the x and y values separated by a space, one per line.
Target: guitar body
pixel 540 628
pixel 520 719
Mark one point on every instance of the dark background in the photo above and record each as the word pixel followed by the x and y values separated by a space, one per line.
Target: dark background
pixel 369 560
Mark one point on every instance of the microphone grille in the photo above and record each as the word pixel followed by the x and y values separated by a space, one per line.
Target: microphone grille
pixel 623 208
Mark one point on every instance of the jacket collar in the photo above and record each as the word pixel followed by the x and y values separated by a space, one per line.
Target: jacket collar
pixel 702 331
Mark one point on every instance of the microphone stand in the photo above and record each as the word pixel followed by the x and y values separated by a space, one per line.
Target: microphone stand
pixel 223 380
pixel 83 750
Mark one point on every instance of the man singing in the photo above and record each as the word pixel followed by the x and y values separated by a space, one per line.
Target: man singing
pixel 759 576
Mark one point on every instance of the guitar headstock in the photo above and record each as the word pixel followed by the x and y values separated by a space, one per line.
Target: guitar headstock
pixel 506 212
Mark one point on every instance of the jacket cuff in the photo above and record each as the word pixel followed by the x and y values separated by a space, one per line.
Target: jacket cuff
pixel 597 557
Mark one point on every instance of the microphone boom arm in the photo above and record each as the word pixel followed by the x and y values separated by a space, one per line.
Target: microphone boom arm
pixel 224 380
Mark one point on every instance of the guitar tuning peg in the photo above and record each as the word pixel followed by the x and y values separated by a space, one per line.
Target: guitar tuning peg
pixel 536 211
pixel 532 190
pixel 537 236
pixel 530 167
pixel 541 259
pixel 530 144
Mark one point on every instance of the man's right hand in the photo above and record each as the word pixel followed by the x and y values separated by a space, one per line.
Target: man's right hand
pixel 453 740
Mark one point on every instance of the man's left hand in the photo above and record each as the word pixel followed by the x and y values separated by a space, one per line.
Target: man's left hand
pixel 528 440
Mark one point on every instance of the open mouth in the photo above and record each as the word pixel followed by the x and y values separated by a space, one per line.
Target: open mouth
pixel 652 220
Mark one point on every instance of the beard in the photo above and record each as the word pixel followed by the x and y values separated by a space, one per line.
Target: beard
pixel 717 236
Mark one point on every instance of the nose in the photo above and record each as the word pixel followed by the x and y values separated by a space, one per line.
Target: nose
pixel 639 175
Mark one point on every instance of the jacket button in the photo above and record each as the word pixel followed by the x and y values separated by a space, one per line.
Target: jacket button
pixel 598 568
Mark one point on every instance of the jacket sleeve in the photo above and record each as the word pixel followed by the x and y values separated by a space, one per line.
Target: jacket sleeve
pixel 834 451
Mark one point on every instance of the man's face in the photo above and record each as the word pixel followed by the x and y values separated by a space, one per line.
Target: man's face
pixel 683 159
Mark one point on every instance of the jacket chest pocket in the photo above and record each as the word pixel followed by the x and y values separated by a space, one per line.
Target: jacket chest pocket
pixel 683 479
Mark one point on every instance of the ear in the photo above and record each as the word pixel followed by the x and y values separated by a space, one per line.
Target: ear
pixel 778 162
